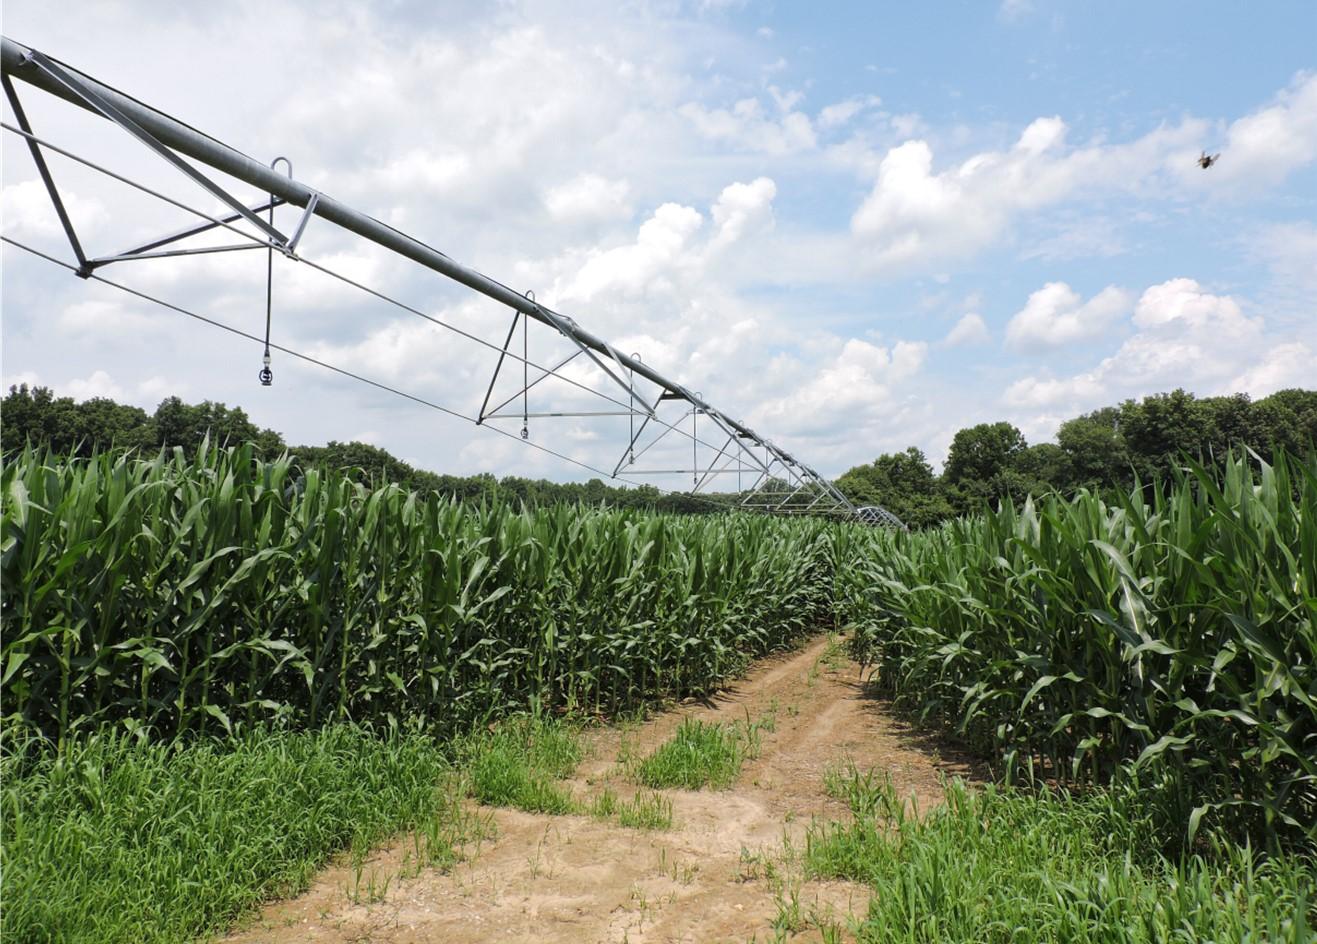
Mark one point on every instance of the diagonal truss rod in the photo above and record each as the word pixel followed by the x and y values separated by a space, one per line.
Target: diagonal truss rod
pixel 173 141
pixel 196 230
pixel 44 170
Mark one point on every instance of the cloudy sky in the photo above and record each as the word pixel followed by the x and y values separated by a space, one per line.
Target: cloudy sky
pixel 857 227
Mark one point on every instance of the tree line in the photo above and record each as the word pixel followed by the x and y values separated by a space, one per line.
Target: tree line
pixel 1108 448
pixel 1105 449
pixel 35 415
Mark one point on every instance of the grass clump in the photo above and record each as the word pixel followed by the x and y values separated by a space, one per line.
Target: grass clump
pixel 645 810
pixel 864 792
pixel 115 840
pixel 519 762
pixel 701 754
pixel 1001 865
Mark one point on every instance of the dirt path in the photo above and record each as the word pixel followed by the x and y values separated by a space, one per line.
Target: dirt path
pixel 717 875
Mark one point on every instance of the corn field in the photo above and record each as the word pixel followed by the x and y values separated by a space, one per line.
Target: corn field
pixel 215 592
pixel 1172 632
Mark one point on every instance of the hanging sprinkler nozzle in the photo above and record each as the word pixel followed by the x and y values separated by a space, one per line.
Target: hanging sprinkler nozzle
pixel 266 375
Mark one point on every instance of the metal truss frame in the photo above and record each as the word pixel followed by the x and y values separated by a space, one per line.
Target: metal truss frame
pixel 780 482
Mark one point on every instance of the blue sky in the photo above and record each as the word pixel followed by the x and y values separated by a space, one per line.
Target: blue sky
pixel 857 226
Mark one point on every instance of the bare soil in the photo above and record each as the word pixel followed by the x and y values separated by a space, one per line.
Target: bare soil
pixel 723 872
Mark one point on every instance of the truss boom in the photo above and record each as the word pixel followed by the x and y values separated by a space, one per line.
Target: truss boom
pixel 176 142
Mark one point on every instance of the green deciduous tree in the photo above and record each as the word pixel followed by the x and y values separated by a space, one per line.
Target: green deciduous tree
pixel 1161 428
pixel 36 415
pixel 1096 455
pixel 184 424
pixel 1285 420
pixel 902 482
pixel 979 464
pixel 1039 468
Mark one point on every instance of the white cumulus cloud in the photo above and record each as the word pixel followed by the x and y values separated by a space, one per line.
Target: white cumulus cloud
pixel 1265 146
pixel 747 126
pixel 98 384
pixel 1187 337
pixel 856 388
pixel 662 243
pixel 971 329
pixel 840 113
pixel 1183 305
pixel 1056 315
pixel 28 210
pixel 917 213
pixel 1292 364
pixel 743 207
pixel 589 198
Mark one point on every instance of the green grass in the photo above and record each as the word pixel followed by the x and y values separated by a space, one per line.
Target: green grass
pixel 119 841
pixel 1002 865
pixel 864 792
pixel 519 762
pixel 701 754
pixel 645 810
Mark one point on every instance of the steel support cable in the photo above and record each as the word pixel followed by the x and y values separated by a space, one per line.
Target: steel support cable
pixel 349 374
pixel 257 242
pixel 64 152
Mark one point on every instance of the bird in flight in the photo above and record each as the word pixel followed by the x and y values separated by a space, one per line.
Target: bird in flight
pixel 1206 160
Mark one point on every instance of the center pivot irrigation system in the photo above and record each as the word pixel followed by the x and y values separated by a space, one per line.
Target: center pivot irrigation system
pixel 659 412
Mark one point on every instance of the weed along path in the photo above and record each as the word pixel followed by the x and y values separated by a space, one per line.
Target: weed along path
pixel 642 860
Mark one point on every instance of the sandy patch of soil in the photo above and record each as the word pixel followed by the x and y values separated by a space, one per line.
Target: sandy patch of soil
pixel 722 873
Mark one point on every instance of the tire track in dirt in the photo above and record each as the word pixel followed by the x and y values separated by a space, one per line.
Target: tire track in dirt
pixel 717 875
